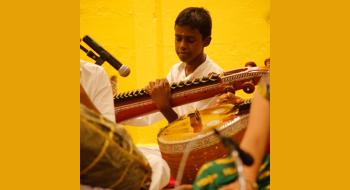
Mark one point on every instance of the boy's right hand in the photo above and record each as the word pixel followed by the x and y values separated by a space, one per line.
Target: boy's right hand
pixel 159 91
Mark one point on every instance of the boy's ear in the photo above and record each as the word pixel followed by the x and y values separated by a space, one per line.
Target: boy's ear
pixel 207 41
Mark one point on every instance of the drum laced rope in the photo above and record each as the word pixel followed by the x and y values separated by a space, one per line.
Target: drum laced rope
pixel 183 161
pixel 102 151
pixel 234 154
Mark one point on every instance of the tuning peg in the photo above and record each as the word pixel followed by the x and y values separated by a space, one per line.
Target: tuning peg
pixel 195 81
pixel 173 86
pixel 204 79
pixel 180 84
pixel 188 83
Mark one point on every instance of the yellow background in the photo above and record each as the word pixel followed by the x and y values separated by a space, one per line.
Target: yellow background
pixel 39 76
pixel 140 34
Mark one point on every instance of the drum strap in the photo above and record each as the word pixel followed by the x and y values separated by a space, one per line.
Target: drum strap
pixel 99 156
pixel 123 176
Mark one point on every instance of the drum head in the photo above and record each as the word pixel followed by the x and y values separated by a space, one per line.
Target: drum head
pixel 182 130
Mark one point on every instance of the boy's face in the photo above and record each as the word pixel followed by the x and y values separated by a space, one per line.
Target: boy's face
pixel 189 43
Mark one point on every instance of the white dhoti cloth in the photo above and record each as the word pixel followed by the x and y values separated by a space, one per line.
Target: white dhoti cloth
pixel 160 169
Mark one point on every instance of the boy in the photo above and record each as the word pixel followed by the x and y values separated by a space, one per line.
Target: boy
pixel 192 34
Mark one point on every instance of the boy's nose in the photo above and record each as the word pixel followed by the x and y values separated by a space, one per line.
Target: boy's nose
pixel 183 44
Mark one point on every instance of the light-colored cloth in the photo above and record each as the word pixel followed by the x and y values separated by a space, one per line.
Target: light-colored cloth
pixel 160 169
pixel 95 81
pixel 177 74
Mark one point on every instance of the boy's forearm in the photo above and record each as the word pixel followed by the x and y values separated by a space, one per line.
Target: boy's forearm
pixel 169 114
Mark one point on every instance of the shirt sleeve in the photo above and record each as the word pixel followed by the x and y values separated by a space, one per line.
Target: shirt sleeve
pixel 104 96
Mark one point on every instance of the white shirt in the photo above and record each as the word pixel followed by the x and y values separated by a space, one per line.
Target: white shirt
pixel 177 74
pixel 96 83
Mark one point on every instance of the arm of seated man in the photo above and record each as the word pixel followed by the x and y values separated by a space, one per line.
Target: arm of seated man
pixel 159 91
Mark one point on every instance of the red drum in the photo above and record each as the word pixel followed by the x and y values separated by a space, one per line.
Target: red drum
pixel 196 130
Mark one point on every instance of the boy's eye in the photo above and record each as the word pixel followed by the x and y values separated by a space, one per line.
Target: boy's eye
pixel 186 39
pixel 190 40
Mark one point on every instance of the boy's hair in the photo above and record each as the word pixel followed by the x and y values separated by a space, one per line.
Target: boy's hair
pixel 250 64
pixel 196 18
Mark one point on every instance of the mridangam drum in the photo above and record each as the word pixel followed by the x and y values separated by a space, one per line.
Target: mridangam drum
pixel 196 130
pixel 108 157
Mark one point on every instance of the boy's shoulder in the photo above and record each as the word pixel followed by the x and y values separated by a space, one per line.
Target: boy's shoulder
pixel 210 64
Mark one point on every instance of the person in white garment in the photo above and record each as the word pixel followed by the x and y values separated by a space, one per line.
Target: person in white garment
pixel 192 35
pixel 96 90
pixel 96 94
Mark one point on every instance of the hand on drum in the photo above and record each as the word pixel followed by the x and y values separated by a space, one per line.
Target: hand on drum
pixel 228 97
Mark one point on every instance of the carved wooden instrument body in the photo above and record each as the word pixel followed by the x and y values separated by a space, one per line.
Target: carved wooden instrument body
pixel 134 103
pixel 182 137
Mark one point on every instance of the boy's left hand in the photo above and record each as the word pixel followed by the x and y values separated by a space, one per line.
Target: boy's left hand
pixel 229 98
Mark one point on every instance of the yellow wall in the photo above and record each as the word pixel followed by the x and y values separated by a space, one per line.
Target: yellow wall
pixel 140 34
